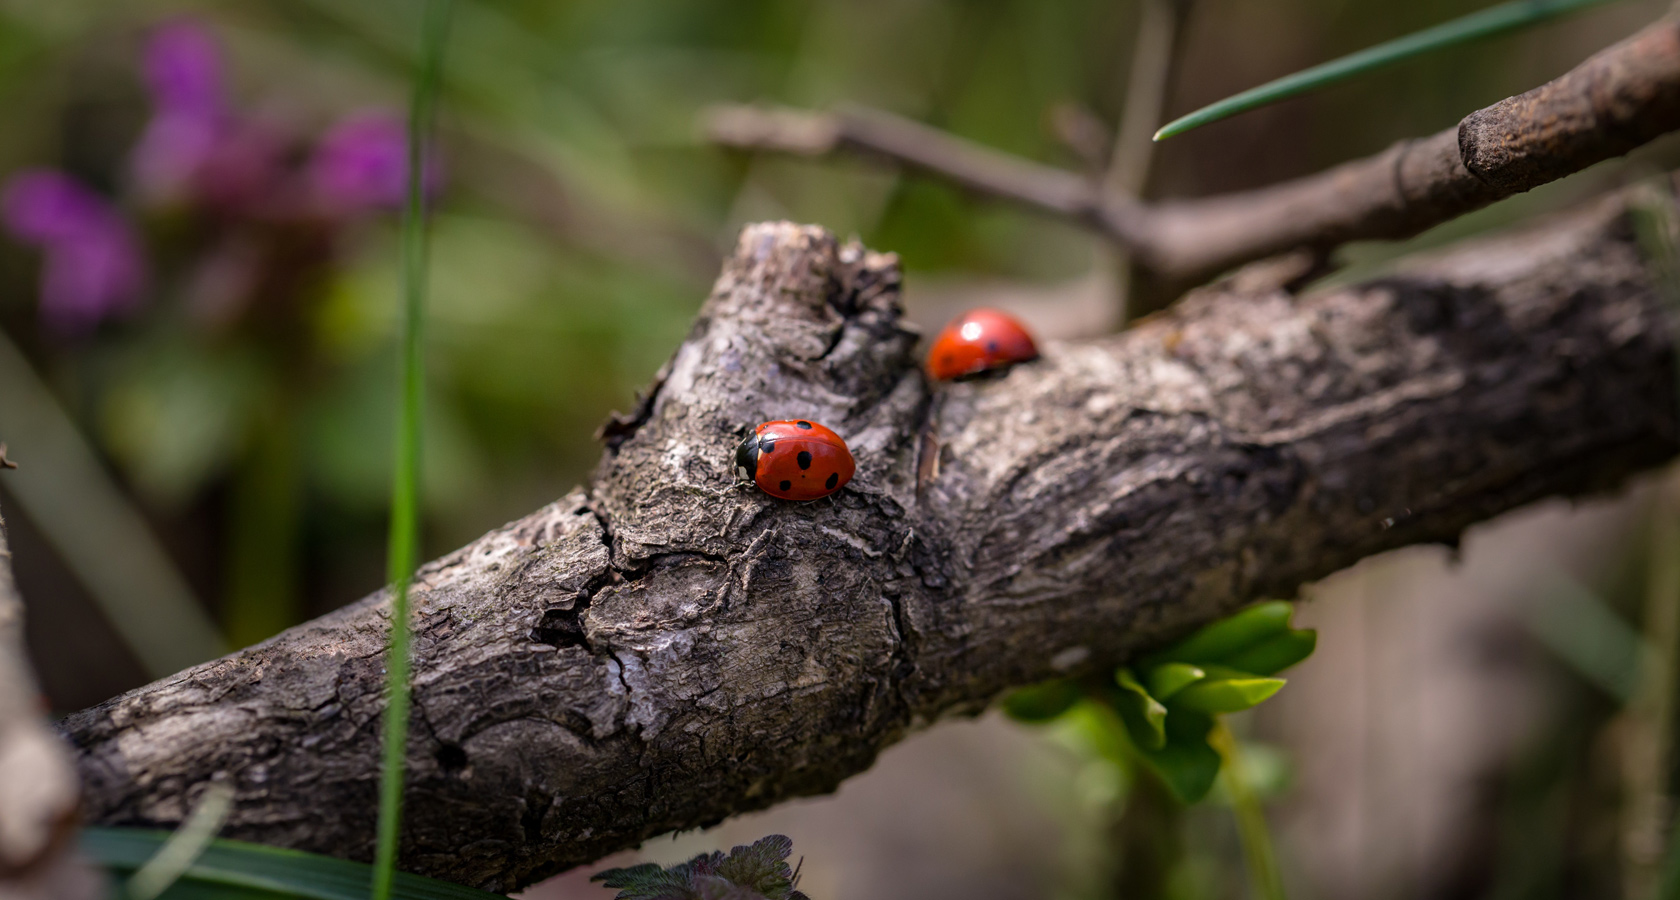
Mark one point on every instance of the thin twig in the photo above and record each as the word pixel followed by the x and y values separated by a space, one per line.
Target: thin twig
pixel 1159 27
pixel 1617 100
pixel 912 145
pixel 1146 95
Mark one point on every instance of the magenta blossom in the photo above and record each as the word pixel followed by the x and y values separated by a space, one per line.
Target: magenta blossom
pixel 195 148
pixel 92 266
pixel 183 71
pixel 362 164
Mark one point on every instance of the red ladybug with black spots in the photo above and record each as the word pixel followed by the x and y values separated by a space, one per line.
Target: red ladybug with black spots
pixel 980 342
pixel 794 459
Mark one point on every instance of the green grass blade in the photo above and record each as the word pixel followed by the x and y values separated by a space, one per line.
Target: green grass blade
pixel 185 845
pixel 1252 831
pixel 405 491
pixel 238 869
pixel 1485 23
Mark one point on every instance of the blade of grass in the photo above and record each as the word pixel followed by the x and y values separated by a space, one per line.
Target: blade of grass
pixel 1486 23
pixel 405 490
pixel 184 846
pixel 67 492
pixel 1575 623
pixel 1255 837
pixel 236 868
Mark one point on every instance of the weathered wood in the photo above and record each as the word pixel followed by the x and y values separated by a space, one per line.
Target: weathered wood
pixel 664 650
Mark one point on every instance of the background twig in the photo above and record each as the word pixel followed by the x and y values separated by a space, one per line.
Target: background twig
pixel 1160 25
pixel 1614 102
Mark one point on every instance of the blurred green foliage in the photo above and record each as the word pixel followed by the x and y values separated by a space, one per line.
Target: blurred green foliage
pixel 1167 702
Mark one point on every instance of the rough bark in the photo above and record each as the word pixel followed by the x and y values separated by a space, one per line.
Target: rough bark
pixel 664 650
pixel 1619 99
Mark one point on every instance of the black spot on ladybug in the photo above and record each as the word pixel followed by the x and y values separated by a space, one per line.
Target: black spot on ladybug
pixel 949 358
pixel 804 458
pixel 833 479
pixel 803 424
pixel 787 485
pixel 991 347
pixel 767 447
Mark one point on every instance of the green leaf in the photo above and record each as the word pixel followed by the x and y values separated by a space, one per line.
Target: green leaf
pixel 200 890
pixel 639 875
pixel 1143 715
pixel 1230 635
pixel 1186 762
pixel 647 881
pixel 1482 24
pixel 714 887
pixel 235 869
pixel 761 866
pixel 1041 702
pixel 1273 655
pixel 1168 679
pixel 758 871
pixel 1226 695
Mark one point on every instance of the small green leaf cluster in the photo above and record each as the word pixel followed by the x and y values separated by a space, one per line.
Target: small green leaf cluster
pixel 1167 701
pixel 756 872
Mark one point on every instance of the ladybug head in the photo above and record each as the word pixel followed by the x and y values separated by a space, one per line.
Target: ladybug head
pixel 746 458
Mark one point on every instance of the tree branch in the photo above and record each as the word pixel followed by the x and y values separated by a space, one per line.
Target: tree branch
pixel 663 651
pixel 1617 100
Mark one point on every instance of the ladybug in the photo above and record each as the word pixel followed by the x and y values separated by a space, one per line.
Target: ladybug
pixel 978 342
pixel 794 459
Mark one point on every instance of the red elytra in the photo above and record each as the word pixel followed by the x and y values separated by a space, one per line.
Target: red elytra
pixel 977 342
pixel 794 459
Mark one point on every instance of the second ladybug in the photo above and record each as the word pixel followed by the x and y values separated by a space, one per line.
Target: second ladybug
pixel 979 342
pixel 794 459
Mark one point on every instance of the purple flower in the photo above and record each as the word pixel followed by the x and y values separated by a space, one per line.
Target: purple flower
pixel 183 69
pixel 194 147
pixel 171 152
pixel 362 164
pixel 92 266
